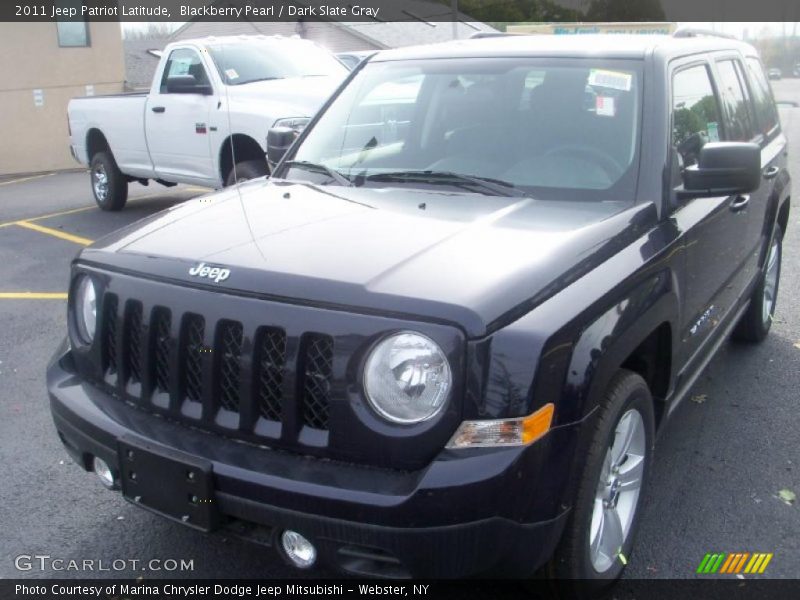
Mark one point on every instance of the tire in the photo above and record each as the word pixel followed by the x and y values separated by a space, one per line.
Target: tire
pixel 627 407
pixel 247 169
pixel 109 186
pixel 757 319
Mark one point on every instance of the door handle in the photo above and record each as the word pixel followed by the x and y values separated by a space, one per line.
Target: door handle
pixel 159 109
pixel 772 172
pixel 740 202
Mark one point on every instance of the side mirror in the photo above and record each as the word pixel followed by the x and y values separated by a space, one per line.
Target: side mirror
pixel 187 84
pixel 279 140
pixel 723 169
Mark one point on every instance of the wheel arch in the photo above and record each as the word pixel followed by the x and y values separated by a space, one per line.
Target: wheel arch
pixel 638 333
pixel 95 142
pixel 238 147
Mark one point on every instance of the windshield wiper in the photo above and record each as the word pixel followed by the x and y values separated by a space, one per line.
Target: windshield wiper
pixel 320 168
pixel 497 187
pixel 257 79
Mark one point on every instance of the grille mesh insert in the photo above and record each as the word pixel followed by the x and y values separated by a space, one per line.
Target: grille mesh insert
pixel 133 336
pixel 110 334
pixel 161 326
pixel 193 357
pixel 230 345
pixel 318 362
pixel 270 357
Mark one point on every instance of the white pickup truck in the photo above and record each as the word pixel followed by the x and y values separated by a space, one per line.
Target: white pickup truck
pixel 206 117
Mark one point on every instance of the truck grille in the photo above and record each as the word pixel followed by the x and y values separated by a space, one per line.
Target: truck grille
pixel 214 372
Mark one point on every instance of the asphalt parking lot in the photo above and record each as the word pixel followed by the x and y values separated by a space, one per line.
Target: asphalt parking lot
pixel 732 446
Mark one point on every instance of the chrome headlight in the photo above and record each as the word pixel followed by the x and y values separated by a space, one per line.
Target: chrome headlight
pixel 86 309
pixel 407 378
pixel 296 123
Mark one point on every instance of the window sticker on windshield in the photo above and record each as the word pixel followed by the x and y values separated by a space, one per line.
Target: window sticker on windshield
pixel 614 80
pixel 713 131
pixel 231 73
pixel 604 106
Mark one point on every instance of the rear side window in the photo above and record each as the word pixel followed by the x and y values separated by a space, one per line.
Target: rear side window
pixel 766 114
pixel 183 61
pixel 695 112
pixel 737 107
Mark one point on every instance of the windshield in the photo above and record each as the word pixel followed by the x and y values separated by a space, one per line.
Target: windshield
pixel 244 63
pixel 555 128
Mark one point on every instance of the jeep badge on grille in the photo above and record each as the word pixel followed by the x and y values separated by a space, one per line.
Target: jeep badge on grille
pixel 216 273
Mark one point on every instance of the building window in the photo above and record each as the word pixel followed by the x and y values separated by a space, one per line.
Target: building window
pixel 73 33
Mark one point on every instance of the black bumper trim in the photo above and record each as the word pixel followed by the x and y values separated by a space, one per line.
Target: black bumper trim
pixel 445 521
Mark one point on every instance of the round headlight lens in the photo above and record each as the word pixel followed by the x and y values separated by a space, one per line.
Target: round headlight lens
pixel 86 309
pixel 407 378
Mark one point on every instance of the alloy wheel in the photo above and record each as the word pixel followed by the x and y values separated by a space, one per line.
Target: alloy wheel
pixel 617 496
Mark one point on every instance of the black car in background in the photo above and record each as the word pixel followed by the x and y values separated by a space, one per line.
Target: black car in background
pixel 440 339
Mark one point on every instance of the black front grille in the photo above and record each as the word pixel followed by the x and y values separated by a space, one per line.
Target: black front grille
pixel 230 347
pixel 160 367
pixel 192 351
pixel 270 359
pixel 217 372
pixel 133 340
pixel 317 368
pixel 109 347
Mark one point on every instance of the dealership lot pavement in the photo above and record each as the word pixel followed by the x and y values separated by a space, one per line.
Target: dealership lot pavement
pixel 732 446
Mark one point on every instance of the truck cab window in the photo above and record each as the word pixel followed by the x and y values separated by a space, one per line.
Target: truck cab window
pixel 738 120
pixel 183 61
pixel 695 113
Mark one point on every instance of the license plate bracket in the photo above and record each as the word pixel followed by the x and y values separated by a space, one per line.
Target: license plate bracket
pixel 168 482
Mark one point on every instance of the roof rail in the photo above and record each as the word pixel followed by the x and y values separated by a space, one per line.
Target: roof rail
pixel 489 34
pixel 690 32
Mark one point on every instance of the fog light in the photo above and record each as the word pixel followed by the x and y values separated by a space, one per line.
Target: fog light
pixel 103 472
pixel 298 549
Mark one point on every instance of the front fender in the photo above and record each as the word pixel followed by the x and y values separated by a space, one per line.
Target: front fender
pixel 566 350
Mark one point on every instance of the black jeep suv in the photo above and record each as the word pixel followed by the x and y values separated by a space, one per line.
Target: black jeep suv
pixel 439 340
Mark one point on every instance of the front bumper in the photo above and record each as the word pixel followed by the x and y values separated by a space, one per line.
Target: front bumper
pixel 467 513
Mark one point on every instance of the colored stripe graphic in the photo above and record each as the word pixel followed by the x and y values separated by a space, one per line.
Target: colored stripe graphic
pixel 731 560
pixel 703 563
pixel 764 564
pixel 711 563
pixel 735 562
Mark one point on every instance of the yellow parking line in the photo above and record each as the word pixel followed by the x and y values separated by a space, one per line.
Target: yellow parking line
pixel 50 215
pixel 33 296
pixel 62 213
pixel 21 179
pixel 93 207
pixel 55 233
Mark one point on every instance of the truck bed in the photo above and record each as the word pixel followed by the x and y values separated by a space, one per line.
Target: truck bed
pixel 120 120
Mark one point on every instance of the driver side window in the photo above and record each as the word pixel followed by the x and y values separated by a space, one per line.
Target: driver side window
pixel 695 113
pixel 183 61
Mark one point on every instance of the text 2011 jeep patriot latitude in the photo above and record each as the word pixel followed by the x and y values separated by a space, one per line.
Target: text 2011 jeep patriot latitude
pixel 440 339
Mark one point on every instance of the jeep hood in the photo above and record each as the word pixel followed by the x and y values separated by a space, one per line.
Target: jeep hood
pixel 460 258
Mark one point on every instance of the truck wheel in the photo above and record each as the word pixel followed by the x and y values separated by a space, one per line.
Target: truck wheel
pixel 598 536
pixel 756 321
pixel 109 185
pixel 247 169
